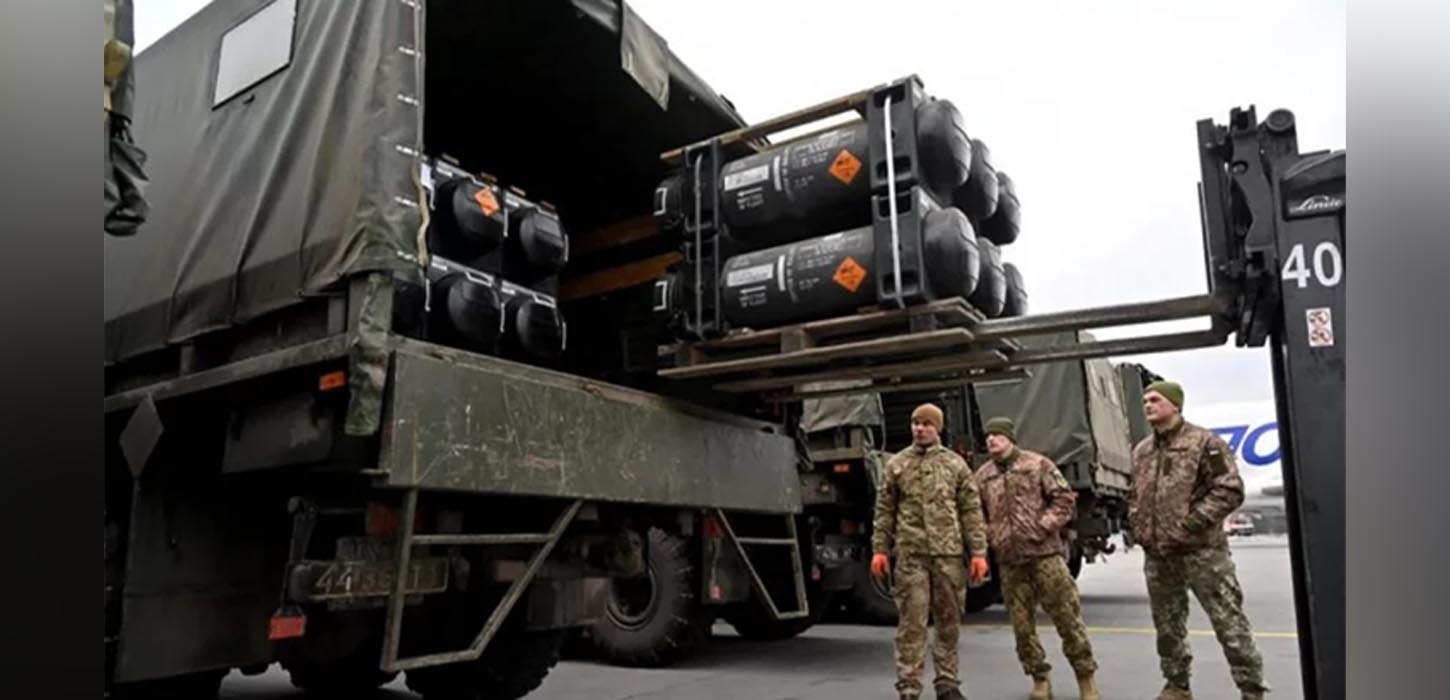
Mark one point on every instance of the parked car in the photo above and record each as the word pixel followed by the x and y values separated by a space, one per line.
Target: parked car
pixel 1239 525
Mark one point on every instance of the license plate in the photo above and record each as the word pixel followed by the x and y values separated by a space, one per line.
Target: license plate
pixel 364 579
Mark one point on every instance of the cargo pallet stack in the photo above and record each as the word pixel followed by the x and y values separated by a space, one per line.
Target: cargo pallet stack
pixel 842 254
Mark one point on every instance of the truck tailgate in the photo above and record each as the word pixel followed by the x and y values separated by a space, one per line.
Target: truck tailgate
pixel 466 422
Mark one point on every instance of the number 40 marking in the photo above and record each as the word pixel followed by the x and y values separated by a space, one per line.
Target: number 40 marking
pixel 1328 265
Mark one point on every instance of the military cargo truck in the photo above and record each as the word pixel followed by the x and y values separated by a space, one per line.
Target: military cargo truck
pixel 321 451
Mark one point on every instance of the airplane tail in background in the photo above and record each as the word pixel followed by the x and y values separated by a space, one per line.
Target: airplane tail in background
pixel 1251 428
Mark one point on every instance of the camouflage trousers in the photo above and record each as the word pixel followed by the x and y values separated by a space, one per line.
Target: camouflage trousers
pixel 1046 582
pixel 934 587
pixel 1211 575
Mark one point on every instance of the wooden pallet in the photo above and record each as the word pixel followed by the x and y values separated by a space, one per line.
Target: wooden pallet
pixel 897 349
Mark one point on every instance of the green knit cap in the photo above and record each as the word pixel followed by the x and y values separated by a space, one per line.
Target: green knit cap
pixel 1172 391
pixel 1002 425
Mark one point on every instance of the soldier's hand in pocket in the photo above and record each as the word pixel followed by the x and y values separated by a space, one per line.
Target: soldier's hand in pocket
pixel 1196 523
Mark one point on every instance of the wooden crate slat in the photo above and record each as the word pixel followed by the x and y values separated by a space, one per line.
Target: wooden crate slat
pixel 952 312
pixel 973 359
pixel 1006 375
pixel 877 347
pixel 853 101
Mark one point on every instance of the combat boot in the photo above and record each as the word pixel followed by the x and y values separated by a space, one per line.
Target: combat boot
pixel 950 694
pixel 1087 688
pixel 1173 692
pixel 1041 689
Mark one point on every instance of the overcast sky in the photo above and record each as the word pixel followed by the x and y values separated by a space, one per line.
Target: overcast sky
pixel 1090 106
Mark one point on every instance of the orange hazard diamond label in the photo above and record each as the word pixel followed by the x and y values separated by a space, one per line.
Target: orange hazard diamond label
pixel 845 166
pixel 849 274
pixel 486 201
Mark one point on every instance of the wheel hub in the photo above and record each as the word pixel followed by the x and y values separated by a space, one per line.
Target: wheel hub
pixel 632 602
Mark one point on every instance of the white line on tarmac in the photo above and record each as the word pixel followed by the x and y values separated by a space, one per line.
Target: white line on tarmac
pixel 1137 630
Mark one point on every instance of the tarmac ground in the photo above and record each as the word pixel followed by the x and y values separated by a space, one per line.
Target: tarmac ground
pixel 850 662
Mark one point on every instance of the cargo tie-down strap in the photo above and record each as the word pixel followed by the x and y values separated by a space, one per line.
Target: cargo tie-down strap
pixel 891 197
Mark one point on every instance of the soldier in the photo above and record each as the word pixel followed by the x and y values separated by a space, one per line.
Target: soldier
pixel 1185 483
pixel 1027 503
pixel 124 177
pixel 928 505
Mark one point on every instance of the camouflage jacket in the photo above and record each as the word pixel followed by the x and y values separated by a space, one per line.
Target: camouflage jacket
pixel 928 505
pixel 1185 483
pixel 1027 503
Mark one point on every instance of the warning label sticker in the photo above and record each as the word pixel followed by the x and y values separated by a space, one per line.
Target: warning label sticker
pixel 750 275
pixel 1321 327
pixel 486 201
pixel 845 167
pixel 849 274
pixel 747 177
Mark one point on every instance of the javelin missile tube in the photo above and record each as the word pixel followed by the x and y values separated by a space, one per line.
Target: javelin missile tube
pixel 816 185
pixel 831 276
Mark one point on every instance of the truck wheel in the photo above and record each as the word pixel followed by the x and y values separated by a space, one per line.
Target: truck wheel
pixel 872 597
pixel 576 646
pixel 353 675
pixel 656 619
pixel 513 665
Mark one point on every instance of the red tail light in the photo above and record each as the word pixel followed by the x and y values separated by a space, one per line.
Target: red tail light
pixel 284 626
pixel 711 528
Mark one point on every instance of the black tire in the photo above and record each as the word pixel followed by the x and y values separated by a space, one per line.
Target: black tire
pixel 657 619
pixel 355 675
pixel 576 646
pixel 205 685
pixel 872 597
pixel 512 666
pixel 752 621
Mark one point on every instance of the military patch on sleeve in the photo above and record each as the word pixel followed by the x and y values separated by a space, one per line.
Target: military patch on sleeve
pixel 1216 462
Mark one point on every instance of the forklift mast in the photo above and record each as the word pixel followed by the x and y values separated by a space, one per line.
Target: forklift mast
pixel 1273 225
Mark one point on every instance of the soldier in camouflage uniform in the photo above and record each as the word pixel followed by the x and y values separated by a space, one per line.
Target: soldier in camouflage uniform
pixel 927 505
pixel 1027 503
pixel 1185 483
